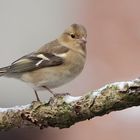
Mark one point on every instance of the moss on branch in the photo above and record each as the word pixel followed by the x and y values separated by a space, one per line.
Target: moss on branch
pixel 64 111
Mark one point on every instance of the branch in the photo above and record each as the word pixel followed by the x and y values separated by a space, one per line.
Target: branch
pixel 64 111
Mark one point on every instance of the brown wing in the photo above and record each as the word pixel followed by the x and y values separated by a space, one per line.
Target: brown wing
pixel 35 61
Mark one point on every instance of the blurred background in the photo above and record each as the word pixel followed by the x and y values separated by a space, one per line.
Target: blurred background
pixel 113 55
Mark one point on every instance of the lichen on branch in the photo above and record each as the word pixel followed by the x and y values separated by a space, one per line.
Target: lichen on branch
pixel 64 111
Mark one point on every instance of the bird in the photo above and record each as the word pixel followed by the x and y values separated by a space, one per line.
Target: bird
pixel 54 63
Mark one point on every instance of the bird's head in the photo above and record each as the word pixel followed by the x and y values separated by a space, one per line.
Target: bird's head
pixel 74 37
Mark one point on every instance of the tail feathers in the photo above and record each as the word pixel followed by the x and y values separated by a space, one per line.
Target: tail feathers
pixel 4 70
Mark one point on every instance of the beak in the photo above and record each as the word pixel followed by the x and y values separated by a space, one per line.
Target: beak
pixel 84 39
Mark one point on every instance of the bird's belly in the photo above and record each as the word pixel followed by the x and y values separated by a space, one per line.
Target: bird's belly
pixel 53 77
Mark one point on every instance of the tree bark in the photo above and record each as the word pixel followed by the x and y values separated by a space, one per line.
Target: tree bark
pixel 64 111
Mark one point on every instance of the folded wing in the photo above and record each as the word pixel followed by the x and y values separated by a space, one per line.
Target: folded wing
pixel 35 61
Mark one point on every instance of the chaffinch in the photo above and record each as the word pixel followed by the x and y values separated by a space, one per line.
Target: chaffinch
pixel 54 64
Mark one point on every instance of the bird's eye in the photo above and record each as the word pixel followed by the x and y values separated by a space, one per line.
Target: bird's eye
pixel 72 36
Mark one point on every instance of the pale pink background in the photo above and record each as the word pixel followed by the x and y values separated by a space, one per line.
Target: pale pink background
pixel 113 55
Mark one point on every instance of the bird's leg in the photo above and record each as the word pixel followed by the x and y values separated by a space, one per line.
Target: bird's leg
pixel 49 90
pixel 37 97
pixel 55 94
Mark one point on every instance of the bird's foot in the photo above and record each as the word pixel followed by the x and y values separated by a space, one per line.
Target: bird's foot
pixel 61 94
pixel 57 97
